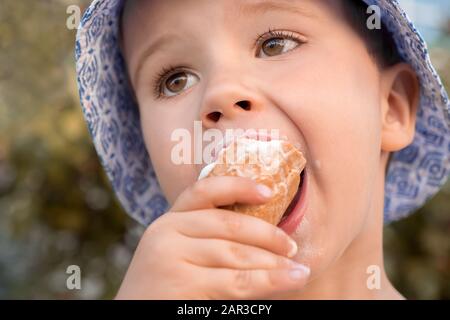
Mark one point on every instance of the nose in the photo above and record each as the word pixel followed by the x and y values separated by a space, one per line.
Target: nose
pixel 228 103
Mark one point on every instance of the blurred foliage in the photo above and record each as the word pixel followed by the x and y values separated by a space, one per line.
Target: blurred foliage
pixel 57 208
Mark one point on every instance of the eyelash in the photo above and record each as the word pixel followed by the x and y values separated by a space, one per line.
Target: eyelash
pixel 161 77
pixel 271 33
pixel 166 72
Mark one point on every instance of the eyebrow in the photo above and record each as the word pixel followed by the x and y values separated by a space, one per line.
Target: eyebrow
pixel 247 9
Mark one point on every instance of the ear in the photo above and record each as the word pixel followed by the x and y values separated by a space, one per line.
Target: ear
pixel 400 94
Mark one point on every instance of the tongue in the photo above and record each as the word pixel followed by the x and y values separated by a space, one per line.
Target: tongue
pixel 294 201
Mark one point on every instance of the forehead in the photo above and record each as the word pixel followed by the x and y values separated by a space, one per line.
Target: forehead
pixel 142 11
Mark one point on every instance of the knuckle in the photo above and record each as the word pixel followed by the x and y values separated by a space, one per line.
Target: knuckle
pixel 160 223
pixel 232 222
pixel 150 232
pixel 237 253
pixel 200 188
pixel 158 240
pixel 242 280
pixel 158 247
pixel 272 284
pixel 281 262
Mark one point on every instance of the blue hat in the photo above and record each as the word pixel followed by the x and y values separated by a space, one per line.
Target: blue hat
pixel 414 174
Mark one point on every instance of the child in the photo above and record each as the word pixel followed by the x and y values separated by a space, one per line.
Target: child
pixel 358 96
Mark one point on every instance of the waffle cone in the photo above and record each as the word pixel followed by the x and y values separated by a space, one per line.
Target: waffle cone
pixel 276 164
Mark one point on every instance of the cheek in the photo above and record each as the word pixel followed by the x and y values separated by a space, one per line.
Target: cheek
pixel 158 127
pixel 335 107
pixel 344 137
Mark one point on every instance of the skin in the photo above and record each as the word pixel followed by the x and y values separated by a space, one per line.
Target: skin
pixel 326 94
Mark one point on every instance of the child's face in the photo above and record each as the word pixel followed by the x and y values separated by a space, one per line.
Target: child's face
pixel 323 94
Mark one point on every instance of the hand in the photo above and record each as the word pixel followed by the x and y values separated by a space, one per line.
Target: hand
pixel 198 251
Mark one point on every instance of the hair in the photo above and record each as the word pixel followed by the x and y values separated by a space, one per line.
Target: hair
pixel 379 42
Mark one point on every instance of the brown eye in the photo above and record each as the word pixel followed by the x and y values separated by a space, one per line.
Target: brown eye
pixel 177 83
pixel 273 46
pixel 278 45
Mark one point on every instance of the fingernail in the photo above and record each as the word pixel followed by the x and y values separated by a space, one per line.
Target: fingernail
pixel 300 271
pixel 293 250
pixel 264 190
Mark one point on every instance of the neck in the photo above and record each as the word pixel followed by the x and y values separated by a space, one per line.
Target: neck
pixel 359 272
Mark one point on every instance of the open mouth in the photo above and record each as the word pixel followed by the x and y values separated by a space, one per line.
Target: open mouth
pixel 295 200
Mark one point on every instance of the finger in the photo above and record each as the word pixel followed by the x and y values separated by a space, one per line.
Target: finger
pixel 218 253
pixel 236 227
pixel 254 284
pixel 214 192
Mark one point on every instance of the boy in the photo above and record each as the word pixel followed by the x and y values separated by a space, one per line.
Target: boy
pixel 364 106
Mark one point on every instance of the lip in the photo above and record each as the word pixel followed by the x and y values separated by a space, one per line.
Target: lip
pixel 289 225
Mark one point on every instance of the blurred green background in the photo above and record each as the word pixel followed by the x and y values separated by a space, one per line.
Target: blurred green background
pixel 57 208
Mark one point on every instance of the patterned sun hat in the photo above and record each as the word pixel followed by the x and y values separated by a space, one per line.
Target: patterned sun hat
pixel 415 173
